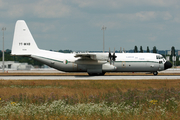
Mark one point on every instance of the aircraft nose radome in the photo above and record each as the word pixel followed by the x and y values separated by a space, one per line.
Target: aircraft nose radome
pixel 167 65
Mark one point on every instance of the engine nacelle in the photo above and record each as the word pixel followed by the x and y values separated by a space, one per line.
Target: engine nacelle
pixel 107 67
pixel 100 56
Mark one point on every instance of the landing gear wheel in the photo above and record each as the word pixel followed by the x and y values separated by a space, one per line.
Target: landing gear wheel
pixel 102 73
pixel 91 74
pixel 96 74
pixel 155 73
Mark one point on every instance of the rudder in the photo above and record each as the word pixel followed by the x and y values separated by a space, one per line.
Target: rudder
pixel 23 41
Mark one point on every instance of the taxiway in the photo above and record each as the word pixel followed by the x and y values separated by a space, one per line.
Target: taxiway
pixel 89 77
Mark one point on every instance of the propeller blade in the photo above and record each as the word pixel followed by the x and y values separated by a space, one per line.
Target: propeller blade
pixel 109 53
pixel 110 56
pixel 114 56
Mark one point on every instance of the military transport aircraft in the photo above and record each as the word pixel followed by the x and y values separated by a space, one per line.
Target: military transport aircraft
pixel 92 63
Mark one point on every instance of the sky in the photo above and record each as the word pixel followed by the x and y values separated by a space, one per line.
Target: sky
pixel 76 24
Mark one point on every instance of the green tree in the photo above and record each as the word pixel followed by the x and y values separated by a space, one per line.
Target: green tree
pixel 0 53
pixel 173 53
pixel 141 49
pixel 148 49
pixel 135 49
pixel 154 49
pixel 65 51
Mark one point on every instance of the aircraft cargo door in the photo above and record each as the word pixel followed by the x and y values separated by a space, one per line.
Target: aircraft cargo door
pixel 123 64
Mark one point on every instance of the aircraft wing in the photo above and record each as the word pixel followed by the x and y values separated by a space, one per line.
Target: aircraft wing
pixel 93 56
pixel 86 55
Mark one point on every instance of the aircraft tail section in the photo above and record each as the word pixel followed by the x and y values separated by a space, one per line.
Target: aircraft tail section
pixel 23 41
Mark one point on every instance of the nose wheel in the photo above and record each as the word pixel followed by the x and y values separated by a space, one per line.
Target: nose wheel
pixel 155 73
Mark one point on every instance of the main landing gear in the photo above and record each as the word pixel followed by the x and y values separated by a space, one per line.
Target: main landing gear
pixel 96 74
pixel 155 73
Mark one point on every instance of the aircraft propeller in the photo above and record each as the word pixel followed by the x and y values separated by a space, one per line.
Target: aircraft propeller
pixel 112 57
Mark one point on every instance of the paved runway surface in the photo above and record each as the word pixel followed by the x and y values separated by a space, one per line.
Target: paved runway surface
pixel 88 77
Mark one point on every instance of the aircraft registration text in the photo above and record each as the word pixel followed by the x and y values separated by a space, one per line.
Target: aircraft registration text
pixel 20 44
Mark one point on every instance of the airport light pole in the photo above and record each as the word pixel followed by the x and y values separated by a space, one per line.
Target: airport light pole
pixel 103 28
pixel 3 29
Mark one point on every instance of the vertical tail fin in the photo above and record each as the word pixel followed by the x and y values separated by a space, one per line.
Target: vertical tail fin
pixel 23 41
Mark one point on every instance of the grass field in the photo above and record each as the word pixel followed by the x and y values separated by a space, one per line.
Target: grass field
pixel 115 99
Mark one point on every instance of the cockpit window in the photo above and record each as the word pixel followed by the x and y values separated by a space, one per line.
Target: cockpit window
pixel 159 57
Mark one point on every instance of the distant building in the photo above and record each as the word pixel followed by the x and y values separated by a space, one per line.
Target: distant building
pixel 15 65
pixel 167 58
pixel 178 53
pixel 169 52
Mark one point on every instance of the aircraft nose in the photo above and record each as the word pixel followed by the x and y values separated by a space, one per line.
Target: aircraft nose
pixel 167 65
